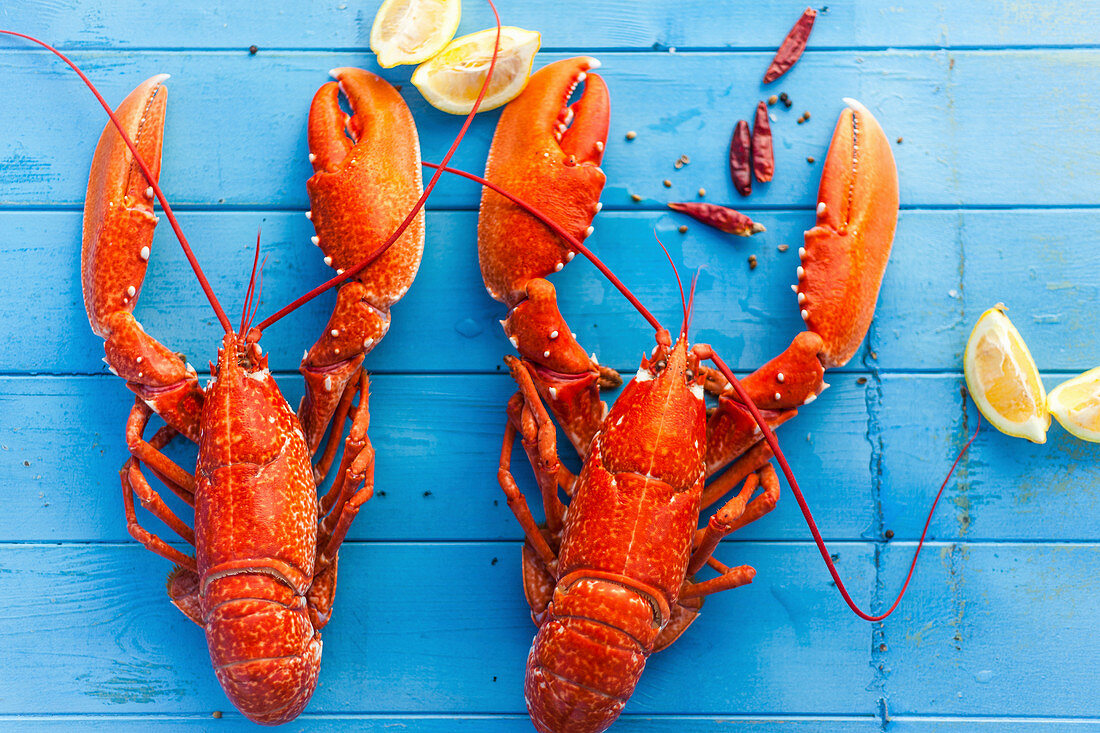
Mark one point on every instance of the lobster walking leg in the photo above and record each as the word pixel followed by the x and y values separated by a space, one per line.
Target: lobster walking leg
pixel 737 512
pixel 130 471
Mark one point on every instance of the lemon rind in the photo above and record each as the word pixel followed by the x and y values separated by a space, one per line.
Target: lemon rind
pixel 1036 426
pixel 386 56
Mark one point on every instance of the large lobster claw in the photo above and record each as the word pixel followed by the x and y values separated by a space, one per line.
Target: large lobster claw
pixel 118 233
pixel 365 182
pixel 845 254
pixel 548 152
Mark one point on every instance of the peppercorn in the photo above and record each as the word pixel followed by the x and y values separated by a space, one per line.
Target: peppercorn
pixel 683 229
pixel 635 197
pixel 772 100
pixel 752 262
pixel 631 135
pixel 783 247
pixel 666 183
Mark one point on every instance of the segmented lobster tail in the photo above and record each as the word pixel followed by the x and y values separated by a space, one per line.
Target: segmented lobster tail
pixel 588 656
pixel 265 650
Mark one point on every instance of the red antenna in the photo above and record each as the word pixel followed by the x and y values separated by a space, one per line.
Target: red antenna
pixel 149 178
pixel 708 353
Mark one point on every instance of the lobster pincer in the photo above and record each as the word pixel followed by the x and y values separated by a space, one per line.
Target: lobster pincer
pixel 548 152
pixel 118 234
pixel 367 178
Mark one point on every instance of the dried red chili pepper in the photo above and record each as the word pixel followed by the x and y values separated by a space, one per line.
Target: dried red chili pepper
pixel 719 217
pixel 792 47
pixel 741 158
pixel 763 162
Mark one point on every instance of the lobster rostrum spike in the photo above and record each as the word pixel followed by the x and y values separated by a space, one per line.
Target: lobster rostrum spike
pixel 548 152
pixel 117 237
pixel 367 177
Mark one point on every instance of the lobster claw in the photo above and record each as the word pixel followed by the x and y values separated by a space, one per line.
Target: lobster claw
pixel 118 233
pixel 548 153
pixel 845 255
pixel 366 179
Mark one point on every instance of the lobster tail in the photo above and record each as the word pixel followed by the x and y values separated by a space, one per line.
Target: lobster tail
pixel 265 650
pixel 588 656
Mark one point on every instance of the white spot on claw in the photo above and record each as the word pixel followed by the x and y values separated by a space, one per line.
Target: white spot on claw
pixel 149 192
pixel 801 253
pixel 557 267
pixel 553 393
pixel 328 384
pixel 589 230
pixel 131 291
pixel 553 334
pixel 328 261
pixel 144 254
pixel 315 239
pixel 309 215
pixel 801 298
pixel 821 208
pixel 805 314
pixel 312 157
pixel 546 354
pixel 697 390
pixel 801 272
pixel 335 332
pixel 781 377
pixel 515 342
pixel 778 396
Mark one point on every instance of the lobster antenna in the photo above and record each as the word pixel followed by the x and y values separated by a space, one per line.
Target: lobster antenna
pixel 679 282
pixel 556 229
pixel 369 259
pixel 768 434
pixel 149 178
pixel 691 300
pixel 773 443
pixel 251 284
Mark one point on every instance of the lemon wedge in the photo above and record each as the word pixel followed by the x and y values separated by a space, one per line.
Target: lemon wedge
pixel 1003 379
pixel 451 80
pixel 411 31
pixel 1076 404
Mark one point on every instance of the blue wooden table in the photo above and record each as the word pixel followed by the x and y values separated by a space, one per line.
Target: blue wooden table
pixel 994 107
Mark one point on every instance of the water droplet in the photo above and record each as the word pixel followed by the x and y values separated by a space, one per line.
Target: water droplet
pixel 469 328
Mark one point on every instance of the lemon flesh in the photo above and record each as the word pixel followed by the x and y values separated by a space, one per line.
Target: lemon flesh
pixel 1003 379
pixel 452 79
pixel 1076 405
pixel 412 31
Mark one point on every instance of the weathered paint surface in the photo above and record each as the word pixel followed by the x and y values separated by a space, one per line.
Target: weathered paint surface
pixel 995 103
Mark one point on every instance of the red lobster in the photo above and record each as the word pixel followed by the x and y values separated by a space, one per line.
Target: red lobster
pixel 263 575
pixel 609 579
pixel 262 580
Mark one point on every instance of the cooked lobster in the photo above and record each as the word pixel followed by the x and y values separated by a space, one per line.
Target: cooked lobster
pixel 609 578
pixel 262 578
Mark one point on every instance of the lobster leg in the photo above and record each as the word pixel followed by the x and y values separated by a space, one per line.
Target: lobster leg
pixel 151 541
pixel 739 511
pixel 517 502
pixel 133 482
pixel 353 487
pixel 730 578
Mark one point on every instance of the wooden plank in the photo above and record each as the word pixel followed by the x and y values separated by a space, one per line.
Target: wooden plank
pixel 444 724
pixel 612 24
pixel 947 267
pixel 438 446
pixel 424 628
pixel 1005 488
pixel 971 121
pixel 993 629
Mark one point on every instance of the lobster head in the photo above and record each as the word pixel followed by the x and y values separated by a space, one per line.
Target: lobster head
pixel 548 152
